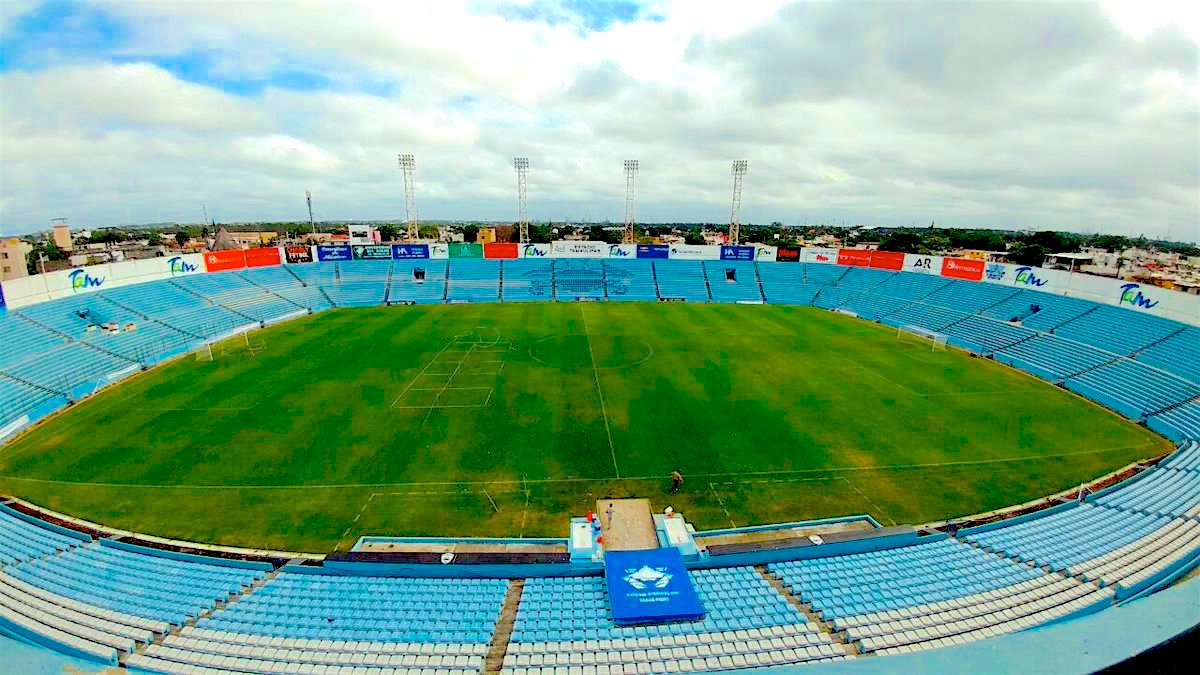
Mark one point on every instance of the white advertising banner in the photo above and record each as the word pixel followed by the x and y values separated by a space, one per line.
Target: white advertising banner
pixel 622 251
pixel 439 251
pixel 579 249
pixel 26 291
pixel 819 255
pixel 1024 276
pixel 535 251
pixel 764 252
pixel 922 264
pixel 80 280
pixel 694 252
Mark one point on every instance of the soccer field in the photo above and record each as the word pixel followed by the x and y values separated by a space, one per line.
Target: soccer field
pixel 506 419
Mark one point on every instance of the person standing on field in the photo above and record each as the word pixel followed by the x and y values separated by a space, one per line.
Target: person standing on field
pixel 676 481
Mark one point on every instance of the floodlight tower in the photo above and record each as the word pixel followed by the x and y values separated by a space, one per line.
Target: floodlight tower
pixel 308 198
pixel 521 164
pixel 630 233
pixel 408 164
pixel 735 211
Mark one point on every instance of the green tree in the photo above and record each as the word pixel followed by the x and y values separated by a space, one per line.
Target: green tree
pixel 1023 253
pixel 181 238
pixel 470 233
pixel 429 232
pixel 693 237
pixel 154 239
pixel 388 232
pixel 902 241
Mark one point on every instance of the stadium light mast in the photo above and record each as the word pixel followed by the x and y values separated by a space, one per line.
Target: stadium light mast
pixel 630 233
pixel 308 198
pixel 735 211
pixel 521 164
pixel 408 164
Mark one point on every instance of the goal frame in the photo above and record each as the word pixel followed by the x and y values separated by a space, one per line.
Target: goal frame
pixel 937 341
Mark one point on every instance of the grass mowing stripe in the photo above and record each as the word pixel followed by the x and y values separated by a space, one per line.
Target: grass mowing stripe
pixel 599 392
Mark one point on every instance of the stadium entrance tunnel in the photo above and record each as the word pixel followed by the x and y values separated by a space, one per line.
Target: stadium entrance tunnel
pixel 605 351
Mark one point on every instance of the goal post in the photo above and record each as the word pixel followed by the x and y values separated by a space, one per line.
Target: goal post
pixel 937 341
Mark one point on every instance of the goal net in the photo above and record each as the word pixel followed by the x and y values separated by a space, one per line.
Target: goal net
pixel 937 341
pixel 239 344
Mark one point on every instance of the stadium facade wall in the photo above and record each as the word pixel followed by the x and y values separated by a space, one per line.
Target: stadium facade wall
pixel 1131 296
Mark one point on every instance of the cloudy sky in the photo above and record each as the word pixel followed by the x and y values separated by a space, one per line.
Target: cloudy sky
pixel 1073 115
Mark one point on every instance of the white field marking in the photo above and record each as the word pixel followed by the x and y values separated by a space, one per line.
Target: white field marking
pixel 836 469
pixel 880 376
pixel 722 503
pixel 493 501
pixel 451 389
pixel 596 372
pixel 370 499
pixel 525 510
pixel 440 407
pixel 868 500
pixel 423 370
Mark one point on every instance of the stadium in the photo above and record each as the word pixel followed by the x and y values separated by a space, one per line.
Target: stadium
pixel 443 458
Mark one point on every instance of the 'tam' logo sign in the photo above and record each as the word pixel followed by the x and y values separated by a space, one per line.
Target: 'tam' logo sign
pixel 80 280
pixel 1132 295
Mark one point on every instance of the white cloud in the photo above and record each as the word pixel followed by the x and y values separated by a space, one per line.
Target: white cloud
pixel 976 114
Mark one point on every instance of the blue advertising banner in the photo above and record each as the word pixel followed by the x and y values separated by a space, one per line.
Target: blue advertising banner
pixel 372 252
pixel 333 253
pixel 650 586
pixel 409 251
pixel 3 307
pixel 655 251
pixel 737 253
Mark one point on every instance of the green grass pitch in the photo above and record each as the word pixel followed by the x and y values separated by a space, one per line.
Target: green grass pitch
pixel 504 420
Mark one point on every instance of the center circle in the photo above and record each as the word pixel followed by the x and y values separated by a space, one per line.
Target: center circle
pixel 610 352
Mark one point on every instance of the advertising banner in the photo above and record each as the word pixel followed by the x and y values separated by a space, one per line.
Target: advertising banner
pixel 439 251
pixel 298 254
pixel 962 268
pixel 579 249
pixel 183 265
pixel 1024 276
pixel 263 257
pixel 410 251
pixel 819 255
pixel 737 253
pixel 650 586
pixel 854 257
pixel 501 250
pixel 887 260
pixel 535 251
pixel 333 252
pixel 372 252
pixel 136 271
pixel 466 250
pixel 690 252
pixel 764 252
pixel 622 250
pixel 219 261
pixel 653 251
pixel 787 255
pixel 922 264
pixel 90 279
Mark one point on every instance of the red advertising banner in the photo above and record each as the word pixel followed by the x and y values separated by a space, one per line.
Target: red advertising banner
pixel 501 250
pixel 787 255
pixel 218 261
pixel 855 257
pixel 887 260
pixel 262 257
pixel 962 268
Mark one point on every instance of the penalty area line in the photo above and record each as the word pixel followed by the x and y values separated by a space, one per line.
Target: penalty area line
pixel 599 392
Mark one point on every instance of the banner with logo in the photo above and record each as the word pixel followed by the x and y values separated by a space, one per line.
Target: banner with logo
pixel 737 253
pixel 579 249
pixel 372 252
pixel 819 255
pixel 220 261
pixel 1024 276
pixel 263 257
pixel 695 252
pixel 502 250
pixel 963 268
pixel 887 260
pixel 458 250
pixel 854 257
pixel 439 251
pixel 183 265
pixel 653 251
pixel 334 252
pixel 764 252
pixel 622 250
pixel 650 586
pixel 296 255
pixel 922 264
pixel 410 251
pixel 787 255
pixel 535 250
pixel 79 280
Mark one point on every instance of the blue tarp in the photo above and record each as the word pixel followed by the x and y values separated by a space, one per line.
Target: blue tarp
pixel 650 586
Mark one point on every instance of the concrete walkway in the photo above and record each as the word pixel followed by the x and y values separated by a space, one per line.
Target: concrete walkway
pixel 631 527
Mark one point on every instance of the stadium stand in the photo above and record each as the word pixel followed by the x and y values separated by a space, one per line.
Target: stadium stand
pixel 680 279
pixel 630 280
pixel 1176 354
pixel 731 281
pixel 473 281
pixel 579 279
pixel 359 283
pixel 419 281
pixel 786 284
pixel 527 279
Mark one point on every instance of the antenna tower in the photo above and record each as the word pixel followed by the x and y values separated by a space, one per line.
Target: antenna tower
pixel 630 231
pixel 735 211
pixel 308 198
pixel 521 164
pixel 408 164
